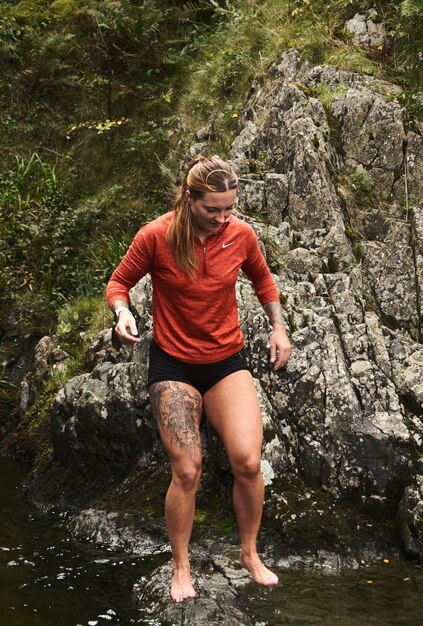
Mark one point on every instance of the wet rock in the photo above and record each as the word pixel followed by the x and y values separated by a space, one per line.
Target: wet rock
pixel 217 577
pixel 411 516
pixel 116 529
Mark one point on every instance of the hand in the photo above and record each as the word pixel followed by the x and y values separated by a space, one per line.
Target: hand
pixel 126 328
pixel 280 347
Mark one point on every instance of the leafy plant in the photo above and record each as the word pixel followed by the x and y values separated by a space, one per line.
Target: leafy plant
pixel 358 189
pixel 107 254
pixel 41 232
pixel 273 254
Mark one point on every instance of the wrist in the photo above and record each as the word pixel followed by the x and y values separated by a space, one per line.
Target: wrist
pixel 119 310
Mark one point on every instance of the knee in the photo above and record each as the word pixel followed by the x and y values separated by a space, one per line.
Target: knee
pixel 188 477
pixel 248 468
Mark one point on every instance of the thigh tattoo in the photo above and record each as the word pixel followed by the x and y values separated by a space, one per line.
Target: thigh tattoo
pixel 179 414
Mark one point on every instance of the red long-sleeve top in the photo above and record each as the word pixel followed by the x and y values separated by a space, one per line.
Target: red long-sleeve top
pixel 195 321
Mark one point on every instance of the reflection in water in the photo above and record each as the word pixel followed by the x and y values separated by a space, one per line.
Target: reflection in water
pixel 48 578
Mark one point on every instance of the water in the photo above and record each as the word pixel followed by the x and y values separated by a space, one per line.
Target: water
pixel 393 597
pixel 48 578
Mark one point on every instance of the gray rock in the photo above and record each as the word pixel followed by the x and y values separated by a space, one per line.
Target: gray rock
pixel 125 531
pixel 411 516
pixel 99 422
pixel 49 358
pixel 365 31
pixel 216 579
pixel 276 196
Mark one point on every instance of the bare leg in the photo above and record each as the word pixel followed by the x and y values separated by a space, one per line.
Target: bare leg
pixel 233 409
pixel 177 408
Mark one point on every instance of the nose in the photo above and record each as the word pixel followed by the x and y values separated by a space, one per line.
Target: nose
pixel 221 218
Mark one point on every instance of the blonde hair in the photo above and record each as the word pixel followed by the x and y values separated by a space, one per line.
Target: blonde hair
pixel 201 176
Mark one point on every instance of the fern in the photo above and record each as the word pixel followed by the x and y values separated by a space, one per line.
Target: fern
pixel 411 8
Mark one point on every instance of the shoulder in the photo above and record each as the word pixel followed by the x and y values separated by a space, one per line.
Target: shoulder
pixel 240 227
pixel 156 228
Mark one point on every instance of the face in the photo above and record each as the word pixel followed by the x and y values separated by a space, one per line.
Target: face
pixel 211 211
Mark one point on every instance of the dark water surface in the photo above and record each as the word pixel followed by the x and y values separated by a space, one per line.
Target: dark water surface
pixel 383 594
pixel 48 578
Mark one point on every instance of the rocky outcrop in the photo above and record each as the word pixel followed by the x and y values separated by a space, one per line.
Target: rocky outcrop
pixel 411 515
pixel 217 581
pixel 49 358
pixel 351 280
pixel 327 158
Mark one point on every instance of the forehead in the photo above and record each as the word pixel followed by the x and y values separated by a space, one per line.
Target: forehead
pixel 220 199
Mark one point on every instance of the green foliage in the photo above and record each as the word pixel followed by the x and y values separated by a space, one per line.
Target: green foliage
pixel 411 9
pixel 5 383
pixel 250 36
pixel 108 252
pixel 292 323
pixel 273 254
pixel 362 188
pixel 40 231
pixel 99 126
pixel 413 105
pixel 78 321
pixel 33 224
pixel 358 189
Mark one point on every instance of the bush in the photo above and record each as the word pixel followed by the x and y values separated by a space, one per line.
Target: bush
pixel 40 231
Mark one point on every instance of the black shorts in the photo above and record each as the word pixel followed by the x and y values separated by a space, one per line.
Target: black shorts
pixel 163 366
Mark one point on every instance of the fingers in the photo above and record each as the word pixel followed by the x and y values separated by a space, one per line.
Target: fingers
pixel 283 357
pixel 280 351
pixel 272 353
pixel 126 328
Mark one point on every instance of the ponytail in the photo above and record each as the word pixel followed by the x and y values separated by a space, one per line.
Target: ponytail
pixel 201 176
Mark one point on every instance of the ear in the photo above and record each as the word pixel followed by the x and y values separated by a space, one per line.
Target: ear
pixel 188 195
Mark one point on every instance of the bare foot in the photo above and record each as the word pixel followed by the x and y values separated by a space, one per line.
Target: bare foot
pixel 181 584
pixel 258 571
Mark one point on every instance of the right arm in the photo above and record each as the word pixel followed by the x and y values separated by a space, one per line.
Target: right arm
pixel 134 265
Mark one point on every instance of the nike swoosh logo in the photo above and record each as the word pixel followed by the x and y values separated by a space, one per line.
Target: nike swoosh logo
pixel 225 245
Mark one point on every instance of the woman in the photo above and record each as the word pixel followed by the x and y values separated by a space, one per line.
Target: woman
pixel 197 357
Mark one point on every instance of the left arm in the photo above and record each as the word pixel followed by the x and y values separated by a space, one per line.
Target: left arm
pixel 256 268
pixel 280 346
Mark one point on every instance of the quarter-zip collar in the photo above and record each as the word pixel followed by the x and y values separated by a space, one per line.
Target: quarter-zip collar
pixel 210 242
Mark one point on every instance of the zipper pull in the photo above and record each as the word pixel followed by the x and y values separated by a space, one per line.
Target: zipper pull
pixel 204 250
